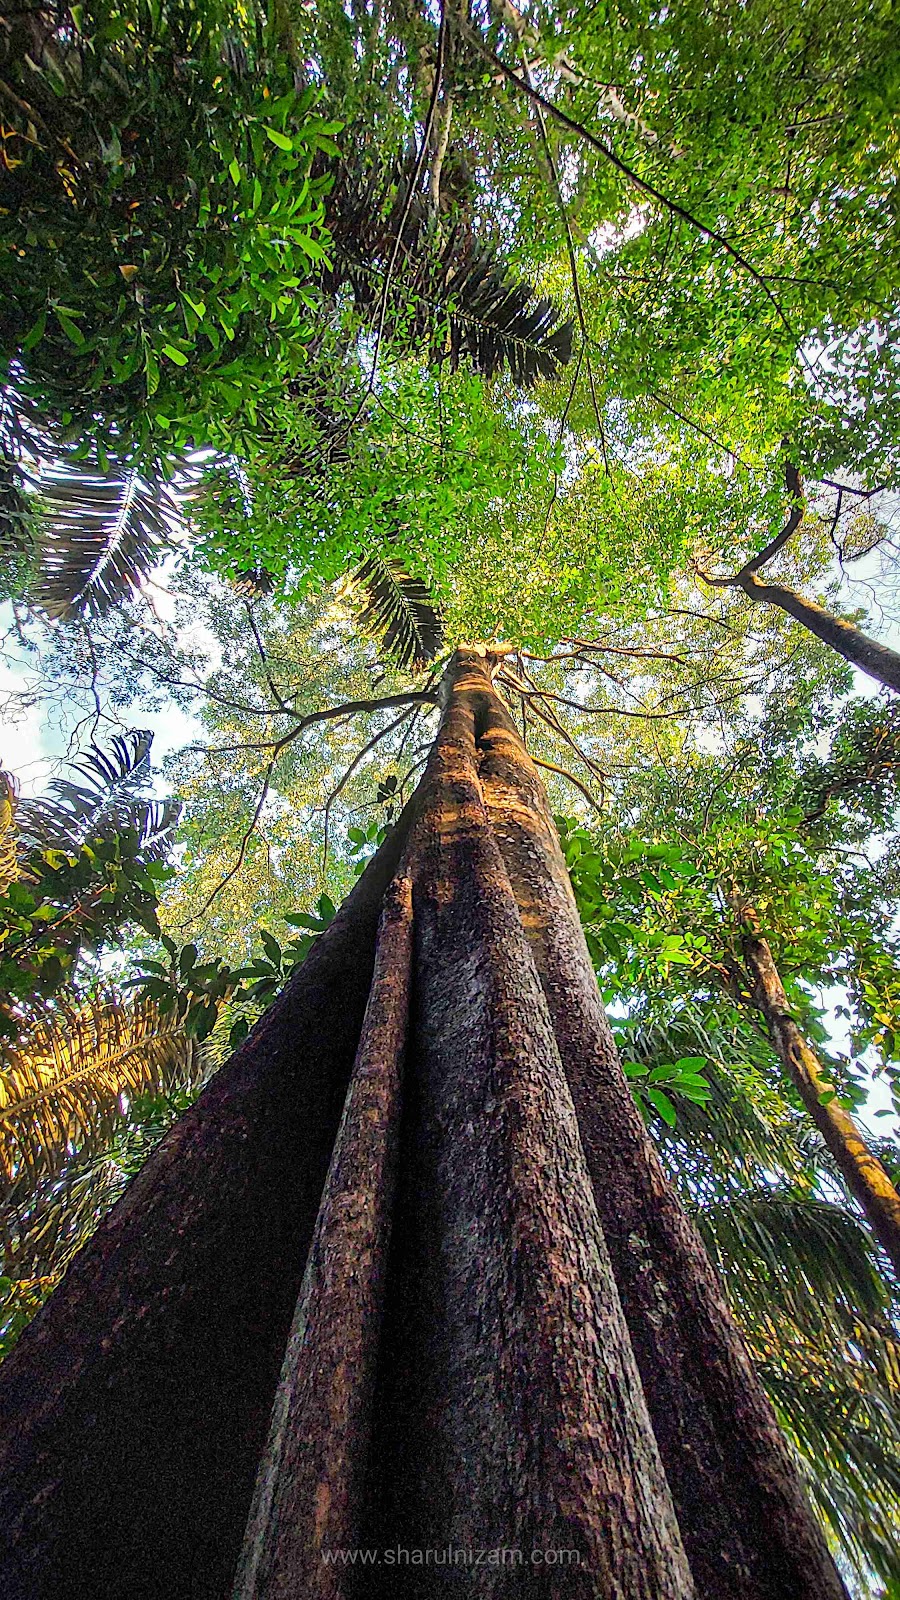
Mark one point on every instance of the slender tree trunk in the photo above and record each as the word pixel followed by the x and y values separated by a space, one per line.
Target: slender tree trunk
pixel 508 1356
pixel 877 660
pixel 862 1172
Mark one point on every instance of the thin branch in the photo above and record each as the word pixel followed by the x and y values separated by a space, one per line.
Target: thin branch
pixel 264 660
pixel 616 161
pixel 248 834
pixel 563 772
pixel 573 261
pixel 434 181
pixel 792 478
pixel 328 712
pixel 360 756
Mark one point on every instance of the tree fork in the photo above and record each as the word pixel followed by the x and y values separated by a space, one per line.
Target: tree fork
pixel 506 1334
pixel 862 1171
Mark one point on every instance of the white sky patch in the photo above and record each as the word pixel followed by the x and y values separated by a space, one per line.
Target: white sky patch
pixel 609 235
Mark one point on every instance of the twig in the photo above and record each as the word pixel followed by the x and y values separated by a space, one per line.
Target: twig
pixel 370 745
pixel 573 261
pixel 248 834
pixel 563 772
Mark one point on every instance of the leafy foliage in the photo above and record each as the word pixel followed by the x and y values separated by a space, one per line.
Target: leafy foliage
pixel 61 1083
pixel 49 1226
pixel 154 284
pixel 85 1093
pixel 88 863
pixel 106 802
pixel 798 1267
pixel 197 994
pixel 9 862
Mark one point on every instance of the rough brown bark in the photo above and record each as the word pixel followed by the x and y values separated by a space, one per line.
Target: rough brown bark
pixel 862 1171
pixel 511 1414
pixel 742 1512
pixel 546 1363
pixel 311 1482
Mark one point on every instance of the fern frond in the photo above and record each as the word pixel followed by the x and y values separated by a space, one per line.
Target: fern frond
pixel 398 610
pixel 61 1085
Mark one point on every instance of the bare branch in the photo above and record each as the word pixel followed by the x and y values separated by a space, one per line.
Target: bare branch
pixel 563 772
pixel 359 757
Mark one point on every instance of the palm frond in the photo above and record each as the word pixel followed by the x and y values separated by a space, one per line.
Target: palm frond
pixel 96 536
pixel 802 1275
pixel 398 610
pixel 452 294
pixel 795 1255
pixel 104 800
pixel 749 1127
pixel 9 855
pixel 843 1419
pixel 62 1084
pixel 498 322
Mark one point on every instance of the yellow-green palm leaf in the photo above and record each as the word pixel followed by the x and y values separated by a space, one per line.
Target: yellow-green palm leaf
pixel 64 1085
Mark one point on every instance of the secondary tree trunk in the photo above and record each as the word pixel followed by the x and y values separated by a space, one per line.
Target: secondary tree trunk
pixel 877 660
pixel 862 1171
pixel 508 1356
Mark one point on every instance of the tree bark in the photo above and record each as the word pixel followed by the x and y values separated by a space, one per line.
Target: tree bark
pixel 741 1509
pixel 511 1415
pixel 310 1484
pixel 876 660
pixel 134 1408
pixel 862 1171
pixel 509 1355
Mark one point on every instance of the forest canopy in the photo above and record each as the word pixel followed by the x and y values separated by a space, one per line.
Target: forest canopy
pixel 333 337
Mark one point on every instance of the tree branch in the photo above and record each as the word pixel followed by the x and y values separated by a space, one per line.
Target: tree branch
pixel 360 756
pixel 563 772
pixel 633 177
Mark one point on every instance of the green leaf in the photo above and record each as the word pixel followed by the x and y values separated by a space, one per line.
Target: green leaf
pixel 177 356
pixel 303 919
pixel 663 1105
pixel 281 140
pixel 187 959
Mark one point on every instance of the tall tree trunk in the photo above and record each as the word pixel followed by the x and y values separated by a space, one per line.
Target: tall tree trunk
pixel 862 1171
pixel 741 1510
pixel 508 1355
pixel 877 660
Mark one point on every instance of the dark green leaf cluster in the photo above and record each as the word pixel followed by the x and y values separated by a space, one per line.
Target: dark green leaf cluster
pixel 159 221
pixel 195 992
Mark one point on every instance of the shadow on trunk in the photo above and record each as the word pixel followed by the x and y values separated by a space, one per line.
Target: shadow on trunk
pixel 421 1191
